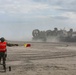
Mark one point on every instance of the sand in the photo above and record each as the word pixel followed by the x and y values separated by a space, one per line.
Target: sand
pixel 41 59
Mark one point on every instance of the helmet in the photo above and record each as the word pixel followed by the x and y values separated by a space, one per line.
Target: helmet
pixel 2 39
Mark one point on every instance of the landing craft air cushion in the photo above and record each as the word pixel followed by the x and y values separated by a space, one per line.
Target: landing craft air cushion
pixel 59 35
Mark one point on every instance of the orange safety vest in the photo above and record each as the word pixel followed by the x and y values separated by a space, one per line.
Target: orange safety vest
pixel 3 46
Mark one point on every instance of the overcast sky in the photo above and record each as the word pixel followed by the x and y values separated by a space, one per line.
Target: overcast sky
pixel 18 18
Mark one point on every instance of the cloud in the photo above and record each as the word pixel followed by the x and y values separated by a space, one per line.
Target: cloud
pixel 61 17
pixel 70 15
pixel 26 7
pixel 22 9
pixel 21 6
pixel 20 17
pixel 66 5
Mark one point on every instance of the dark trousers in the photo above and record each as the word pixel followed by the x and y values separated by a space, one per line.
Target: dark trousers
pixel 2 56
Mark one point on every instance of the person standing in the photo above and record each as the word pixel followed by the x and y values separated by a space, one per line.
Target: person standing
pixel 3 51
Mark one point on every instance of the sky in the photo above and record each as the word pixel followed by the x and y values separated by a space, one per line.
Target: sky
pixel 18 18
